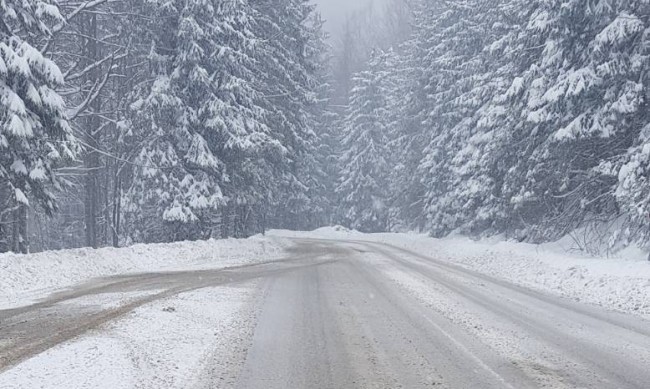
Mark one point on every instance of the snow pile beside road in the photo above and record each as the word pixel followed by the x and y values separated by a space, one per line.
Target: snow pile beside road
pixel 616 283
pixel 26 278
pixel 335 232
pixel 620 282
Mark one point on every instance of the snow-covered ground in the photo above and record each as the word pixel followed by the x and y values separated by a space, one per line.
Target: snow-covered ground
pixel 620 282
pixel 200 338
pixel 164 344
pixel 25 279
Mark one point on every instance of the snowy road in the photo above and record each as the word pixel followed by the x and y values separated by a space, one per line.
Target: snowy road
pixel 339 315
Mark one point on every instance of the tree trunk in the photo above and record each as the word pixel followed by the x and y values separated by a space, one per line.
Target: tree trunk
pixel 91 160
pixel 23 238
pixel 225 222
pixel 117 205
pixel 4 219
pixel 15 234
pixel 3 235
pixel 41 233
pixel 263 220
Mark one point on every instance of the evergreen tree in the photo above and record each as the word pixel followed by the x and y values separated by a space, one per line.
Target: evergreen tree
pixel 204 109
pixel 449 54
pixel 480 141
pixel 227 122
pixel 318 165
pixel 363 188
pixel 34 133
pixel 582 111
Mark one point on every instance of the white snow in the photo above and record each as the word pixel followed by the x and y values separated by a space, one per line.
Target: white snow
pixel 19 167
pixel 27 278
pixel 98 360
pixel 20 196
pixel 3 67
pixel 171 343
pixel 624 26
pixel 200 153
pixel 153 347
pixel 620 282
pixel 516 87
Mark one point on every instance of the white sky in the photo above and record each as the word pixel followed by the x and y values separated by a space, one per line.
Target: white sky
pixel 335 11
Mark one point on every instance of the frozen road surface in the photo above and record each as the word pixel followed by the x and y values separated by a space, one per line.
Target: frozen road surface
pixel 330 314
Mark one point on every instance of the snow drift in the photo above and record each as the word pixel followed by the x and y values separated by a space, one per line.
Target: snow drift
pixel 26 278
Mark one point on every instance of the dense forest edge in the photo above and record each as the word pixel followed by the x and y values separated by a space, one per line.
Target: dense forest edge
pixel 148 121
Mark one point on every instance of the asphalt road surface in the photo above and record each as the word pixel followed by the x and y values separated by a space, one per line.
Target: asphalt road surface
pixel 367 315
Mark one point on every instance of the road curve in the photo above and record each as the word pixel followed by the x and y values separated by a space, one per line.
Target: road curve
pixel 381 317
pixel 352 314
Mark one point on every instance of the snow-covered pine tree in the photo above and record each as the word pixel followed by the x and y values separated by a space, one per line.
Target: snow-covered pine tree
pixel 480 141
pixel 91 46
pixel 288 86
pixel 491 151
pixel 401 139
pixel 363 188
pixel 89 43
pixel 34 133
pixel 453 69
pixel 213 123
pixel 409 130
pixel 621 56
pixel 571 118
pixel 523 117
pixel 611 122
pixel 318 164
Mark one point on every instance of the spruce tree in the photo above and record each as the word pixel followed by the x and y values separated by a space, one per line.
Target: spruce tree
pixel 34 132
pixel 363 186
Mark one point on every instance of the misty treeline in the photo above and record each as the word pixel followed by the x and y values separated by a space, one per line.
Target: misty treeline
pixel 128 121
pixel 527 118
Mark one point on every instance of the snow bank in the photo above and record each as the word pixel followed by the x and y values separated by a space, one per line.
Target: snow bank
pixel 26 278
pixel 620 282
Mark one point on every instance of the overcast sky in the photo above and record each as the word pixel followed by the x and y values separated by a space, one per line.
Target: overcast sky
pixel 335 11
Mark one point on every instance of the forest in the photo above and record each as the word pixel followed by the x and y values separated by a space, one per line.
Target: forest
pixel 127 121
